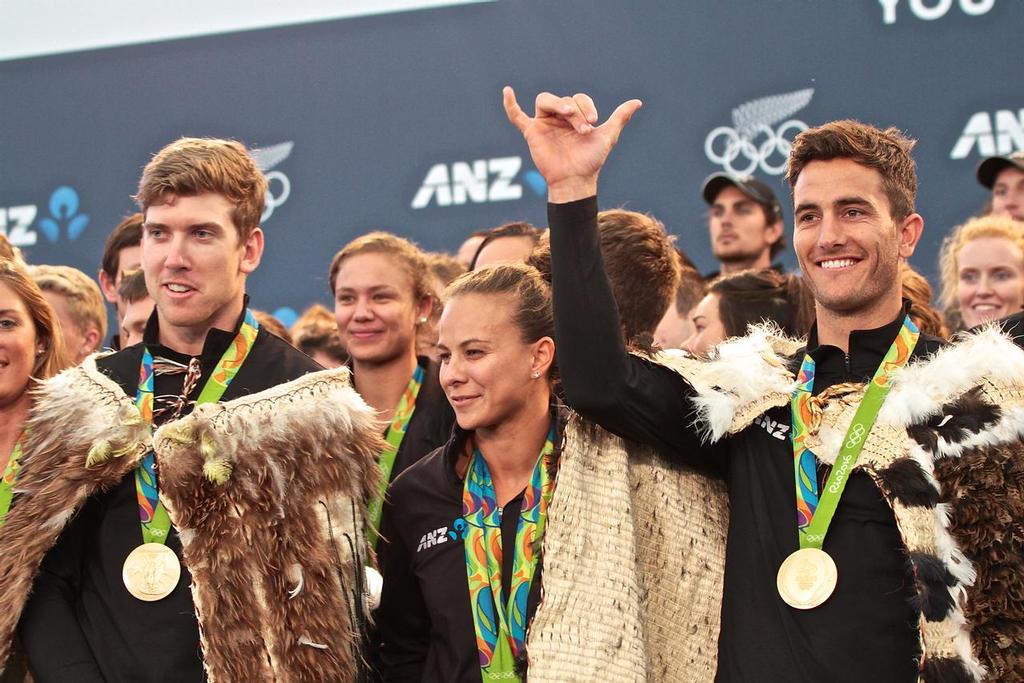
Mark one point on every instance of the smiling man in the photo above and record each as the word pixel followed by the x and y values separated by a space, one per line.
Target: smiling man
pixel 114 599
pixel 859 546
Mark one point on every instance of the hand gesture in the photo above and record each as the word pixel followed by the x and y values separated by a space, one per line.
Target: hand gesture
pixel 566 146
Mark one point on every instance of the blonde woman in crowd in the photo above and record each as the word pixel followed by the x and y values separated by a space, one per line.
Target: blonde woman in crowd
pixel 982 269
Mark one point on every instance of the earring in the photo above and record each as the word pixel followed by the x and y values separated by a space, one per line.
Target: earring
pixel 535 375
pixel 422 320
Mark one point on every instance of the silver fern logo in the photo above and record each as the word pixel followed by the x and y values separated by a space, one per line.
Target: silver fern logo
pixel 755 141
pixel 278 185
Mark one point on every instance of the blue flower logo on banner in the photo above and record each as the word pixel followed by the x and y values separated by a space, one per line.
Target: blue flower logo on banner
pixel 536 182
pixel 64 211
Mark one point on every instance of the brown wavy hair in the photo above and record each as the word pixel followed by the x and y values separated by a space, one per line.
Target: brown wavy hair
pixel 887 151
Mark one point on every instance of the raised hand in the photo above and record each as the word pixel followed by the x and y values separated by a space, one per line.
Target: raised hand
pixel 567 146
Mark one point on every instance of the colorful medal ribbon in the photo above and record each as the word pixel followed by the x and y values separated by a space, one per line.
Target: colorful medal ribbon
pixel 501 629
pixel 386 461
pixel 9 478
pixel 814 508
pixel 152 515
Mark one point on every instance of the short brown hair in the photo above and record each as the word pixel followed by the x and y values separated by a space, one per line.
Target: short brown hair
pixel 128 233
pixel 48 337
pixel 887 151
pixel 752 296
pixel 133 287
pixel 642 267
pixel 992 225
pixel 316 330
pixel 193 166
pixel 918 291
pixel 412 260
pixel 85 301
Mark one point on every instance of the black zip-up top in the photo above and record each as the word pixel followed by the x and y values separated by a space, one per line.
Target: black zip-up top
pixel 867 631
pixel 425 620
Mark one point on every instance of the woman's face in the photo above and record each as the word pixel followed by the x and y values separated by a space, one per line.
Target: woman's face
pixel 487 371
pixel 17 346
pixel 990 280
pixel 375 308
pixel 707 324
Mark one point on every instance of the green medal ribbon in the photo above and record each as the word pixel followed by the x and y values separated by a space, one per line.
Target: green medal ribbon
pixel 152 516
pixel 815 509
pixel 501 628
pixel 386 461
pixel 9 479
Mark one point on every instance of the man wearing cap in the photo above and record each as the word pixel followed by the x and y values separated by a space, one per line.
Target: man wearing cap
pixel 745 223
pixel 1004 175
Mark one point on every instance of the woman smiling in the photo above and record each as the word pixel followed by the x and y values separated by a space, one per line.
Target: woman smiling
pixel 982 265
pixel 466 523
pixel 30 349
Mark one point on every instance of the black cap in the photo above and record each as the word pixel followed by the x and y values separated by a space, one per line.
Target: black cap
pixel 748 185
pixel 989 168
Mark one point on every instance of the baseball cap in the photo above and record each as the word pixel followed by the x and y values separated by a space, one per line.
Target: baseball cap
pixel 748 185
pixel 989 168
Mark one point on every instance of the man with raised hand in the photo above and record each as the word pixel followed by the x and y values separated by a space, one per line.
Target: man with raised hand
pixel 860 546
pixel 247 582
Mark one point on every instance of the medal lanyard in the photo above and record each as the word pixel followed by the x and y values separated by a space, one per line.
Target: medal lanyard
pixel 393 439
pixel 501 628
pixel 814 508
pixel 9 478
pixel 152 515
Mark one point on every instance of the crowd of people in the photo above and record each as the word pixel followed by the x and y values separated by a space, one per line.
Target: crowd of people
pixel 562 453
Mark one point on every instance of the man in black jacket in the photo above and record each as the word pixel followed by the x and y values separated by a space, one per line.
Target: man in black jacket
pixel 853 190
pixel 202 200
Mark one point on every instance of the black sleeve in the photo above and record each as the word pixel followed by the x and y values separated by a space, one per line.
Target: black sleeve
pixel 403 625
pixel 51 636
pixel 634 398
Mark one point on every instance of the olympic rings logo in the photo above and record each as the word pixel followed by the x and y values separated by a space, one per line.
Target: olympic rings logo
pixel 275 200
pixel 856 435
pixel 756 147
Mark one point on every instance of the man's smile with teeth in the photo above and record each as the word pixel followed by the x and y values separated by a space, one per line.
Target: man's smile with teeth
pixel 837 263
pixel 178 288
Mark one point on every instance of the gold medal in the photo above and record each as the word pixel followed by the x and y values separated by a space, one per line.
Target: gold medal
pixel 151 572
pixel 807 578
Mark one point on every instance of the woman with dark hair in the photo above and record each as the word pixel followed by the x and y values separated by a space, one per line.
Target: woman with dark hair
pixel 30 349
pixel 735 302
pixel 465 524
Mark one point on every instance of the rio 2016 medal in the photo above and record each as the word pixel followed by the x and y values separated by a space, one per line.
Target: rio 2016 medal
pixel 807 578
pixel 151 572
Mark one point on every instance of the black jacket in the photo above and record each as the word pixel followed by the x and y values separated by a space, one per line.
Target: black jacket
pixel 80 623
pixel 425 623
pixel 867 631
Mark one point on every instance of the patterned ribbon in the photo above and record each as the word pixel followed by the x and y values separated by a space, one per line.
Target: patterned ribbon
pixel 152 515
pixel 501 629
pixel 386 461
pixel 9 478
pixel 815 508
